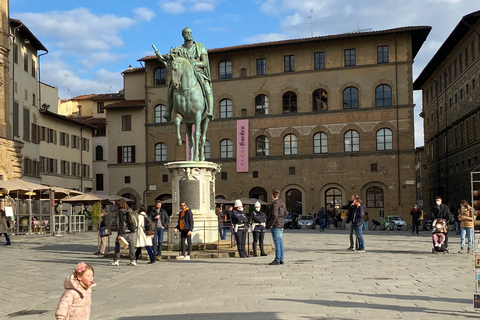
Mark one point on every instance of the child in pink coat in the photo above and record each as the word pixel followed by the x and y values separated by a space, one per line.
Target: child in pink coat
pixel 75 302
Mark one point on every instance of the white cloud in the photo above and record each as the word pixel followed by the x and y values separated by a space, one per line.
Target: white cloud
pixel 203 7
pixel 144 14
pixel 259 38
pixel 91 60
pixel 292 21
pixel 172 7
pixel 77 31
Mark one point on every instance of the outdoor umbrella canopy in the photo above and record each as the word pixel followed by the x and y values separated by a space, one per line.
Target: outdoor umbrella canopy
pixel 61 193
pixel 86 198
pixel 113 197
pixel 21 185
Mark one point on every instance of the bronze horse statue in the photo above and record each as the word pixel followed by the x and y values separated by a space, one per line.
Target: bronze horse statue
pixel 188 103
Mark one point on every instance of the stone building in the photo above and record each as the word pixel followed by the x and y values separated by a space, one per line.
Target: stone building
pixel 451 113
pixel 317 118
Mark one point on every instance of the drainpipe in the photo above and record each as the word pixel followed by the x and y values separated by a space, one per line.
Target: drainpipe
pixel 39 82
pixel 15 30
pixel 146 138
pixel 398 124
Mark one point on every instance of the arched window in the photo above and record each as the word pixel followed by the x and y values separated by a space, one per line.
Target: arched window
pixel 160 152
pixel 261 146
pixel 289 102
pixel 320 100
pixel 159 76
pixel 226 108
pixel 293 201
pixel 98 153
pixel 225 69
pixel 374 197
pixel 352 141
pixel 350 98
pixel 333 199
pixel 383 96
pixel 207 150
pixel 384 139
pixel 261 105
pixel 159 112
pixel 226 148
pixel 258 193
pixel 320 142
pixel 290 144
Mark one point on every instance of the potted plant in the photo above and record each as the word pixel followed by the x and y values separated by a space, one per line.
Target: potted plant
pixel 96 215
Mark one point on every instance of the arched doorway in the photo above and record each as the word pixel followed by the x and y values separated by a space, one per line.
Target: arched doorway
pixel 258 193
pixel 132 205
pixel 333 202
pixel 293 198
pixel 167 204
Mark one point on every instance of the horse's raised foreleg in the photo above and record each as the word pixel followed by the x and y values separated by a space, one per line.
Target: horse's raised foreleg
pixel 198 130
pixel 178 122
pixel 188 126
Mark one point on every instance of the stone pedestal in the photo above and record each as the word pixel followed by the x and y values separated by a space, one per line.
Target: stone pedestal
pixel 194 183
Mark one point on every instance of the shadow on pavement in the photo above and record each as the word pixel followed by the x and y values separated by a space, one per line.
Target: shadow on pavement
pixel 225 316
pixel 410 297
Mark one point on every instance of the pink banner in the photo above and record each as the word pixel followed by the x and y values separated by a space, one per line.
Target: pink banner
pixel 242 145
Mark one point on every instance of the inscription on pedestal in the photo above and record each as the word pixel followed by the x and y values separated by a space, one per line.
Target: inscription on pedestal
pixel 190 193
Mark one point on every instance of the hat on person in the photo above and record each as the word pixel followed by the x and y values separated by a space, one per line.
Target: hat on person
pixel 257 204
pixel 238 203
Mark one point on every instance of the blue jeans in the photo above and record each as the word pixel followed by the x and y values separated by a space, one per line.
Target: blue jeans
pixel 365 225
pixel 457 227
pixel 464 231
pixel 157 241
pixel 6 237
pixel 358 232
pixel 323 222
pixel 223 232
pixel 277 235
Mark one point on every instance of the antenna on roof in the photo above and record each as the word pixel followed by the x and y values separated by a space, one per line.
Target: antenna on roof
pixel 362 30
pixel 66 86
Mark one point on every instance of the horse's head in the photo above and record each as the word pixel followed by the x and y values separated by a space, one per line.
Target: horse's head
pixel 177 64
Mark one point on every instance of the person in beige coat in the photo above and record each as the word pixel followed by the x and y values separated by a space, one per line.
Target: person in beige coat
pixel 142 240
pixel 76 301
pixel 4 227
pixel 466 215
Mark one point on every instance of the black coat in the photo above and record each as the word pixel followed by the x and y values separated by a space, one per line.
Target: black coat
pixel 259 217
pixel 441 212
pixel 165 219
pixel 187 220
pixel 277 214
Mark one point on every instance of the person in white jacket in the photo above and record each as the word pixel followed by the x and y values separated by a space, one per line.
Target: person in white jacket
pixel 142 240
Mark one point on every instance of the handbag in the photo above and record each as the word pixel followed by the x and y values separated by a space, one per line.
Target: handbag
pixel 105 232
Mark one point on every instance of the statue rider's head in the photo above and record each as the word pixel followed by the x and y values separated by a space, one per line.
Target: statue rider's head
pixel 187 34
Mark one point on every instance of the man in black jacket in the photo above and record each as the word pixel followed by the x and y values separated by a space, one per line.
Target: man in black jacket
pixel 185 226
pixel 440 210
pixel 348 219
pixel 161 219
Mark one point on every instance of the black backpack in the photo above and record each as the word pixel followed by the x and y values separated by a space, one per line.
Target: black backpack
pixel 149 225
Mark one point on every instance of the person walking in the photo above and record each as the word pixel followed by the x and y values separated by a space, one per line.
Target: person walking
pixel 127 227
pixel 322 218
pixel 185 226
pixel 142 240
pixel 466 215
pixel 440 210
pixel 240 222
pixel 4 227
pixel 258 227
pixel 104 232
pixel 161 219
pixel 415 214
pixel 357 222
pixel 276 222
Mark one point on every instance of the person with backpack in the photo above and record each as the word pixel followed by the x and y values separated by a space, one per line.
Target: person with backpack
pixel 127 227
pixel 161 219
pixel 143 240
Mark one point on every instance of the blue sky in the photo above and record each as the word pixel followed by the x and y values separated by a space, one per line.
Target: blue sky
pixel 91 42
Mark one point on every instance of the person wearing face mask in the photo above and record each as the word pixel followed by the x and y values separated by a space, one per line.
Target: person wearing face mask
pixel 415 213
pixel 465 215
pixel 440 210
pixel 240 222
pixel 258 228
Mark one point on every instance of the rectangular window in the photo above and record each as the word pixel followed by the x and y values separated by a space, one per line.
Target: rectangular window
pixel 164 177
pixel 349 57
pixel 26 124
pixel 15 53
pixel 289 63
pixel 127 179
pixel 34 99
pixel 255 174
pixel 34 70
pixel 35 133
pixel 224 176
pixel 291 171
pixel 261 67
pixel 382 54
pixel 25 62
pixel 126 154
pixel 319 60
pixel 100 132
pixel 126 123
pixel 100 107
pixel 63 167
pixel 85 144
pixel 16 119
pixel 373 167
pixel 99 182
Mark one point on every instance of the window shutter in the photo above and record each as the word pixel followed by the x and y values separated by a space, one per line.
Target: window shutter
pixel 119 154
pixel 133 154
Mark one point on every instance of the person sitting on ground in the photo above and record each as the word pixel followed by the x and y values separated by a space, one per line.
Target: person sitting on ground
pixel 439 232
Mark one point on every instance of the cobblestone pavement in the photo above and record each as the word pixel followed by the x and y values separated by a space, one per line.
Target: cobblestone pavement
pixel 397 278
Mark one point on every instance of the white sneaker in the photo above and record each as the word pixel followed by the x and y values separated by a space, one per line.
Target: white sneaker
pixel 187 257
pixel 115 263
pixel 180 258
pixel 132 263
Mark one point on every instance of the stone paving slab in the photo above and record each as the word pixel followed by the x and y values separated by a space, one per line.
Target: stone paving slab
pixel 397 278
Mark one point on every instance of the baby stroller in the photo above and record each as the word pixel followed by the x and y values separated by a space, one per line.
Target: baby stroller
pixel 444 247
